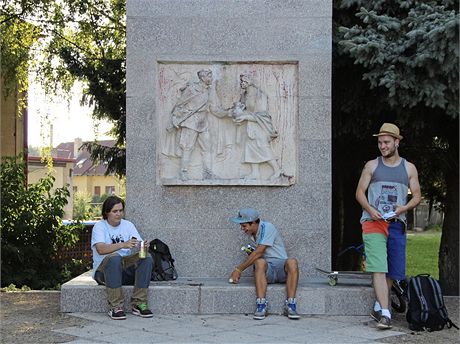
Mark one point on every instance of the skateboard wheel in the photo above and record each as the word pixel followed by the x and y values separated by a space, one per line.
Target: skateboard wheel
pixel 333 281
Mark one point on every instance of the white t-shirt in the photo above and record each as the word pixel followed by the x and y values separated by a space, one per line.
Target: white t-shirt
pixel 105 233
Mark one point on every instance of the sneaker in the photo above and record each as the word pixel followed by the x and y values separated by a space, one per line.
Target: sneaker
pixel 384 323
pixel 261 310
pixel 376 315
pixel 117 313
pixel 142 310
pixel 290 311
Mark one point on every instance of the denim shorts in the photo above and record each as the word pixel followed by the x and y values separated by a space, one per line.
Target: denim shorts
pixel 275 271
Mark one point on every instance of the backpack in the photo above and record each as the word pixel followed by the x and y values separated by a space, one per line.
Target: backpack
pixel 426 305
pixel 163 263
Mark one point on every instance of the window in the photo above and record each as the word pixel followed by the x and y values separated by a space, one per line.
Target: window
pixel 109 190
pixel 97 190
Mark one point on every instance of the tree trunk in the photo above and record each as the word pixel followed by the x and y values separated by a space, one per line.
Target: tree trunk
pixel 448 250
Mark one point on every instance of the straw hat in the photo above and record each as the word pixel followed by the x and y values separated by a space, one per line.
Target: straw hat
pixel 389 129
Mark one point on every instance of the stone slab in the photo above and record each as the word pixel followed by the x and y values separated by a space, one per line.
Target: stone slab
pixel 217 296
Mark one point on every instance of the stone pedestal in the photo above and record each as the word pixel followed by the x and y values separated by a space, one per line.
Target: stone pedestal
pixel 267 83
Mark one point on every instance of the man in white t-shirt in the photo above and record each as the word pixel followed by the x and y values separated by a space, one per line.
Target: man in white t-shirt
pixel 115 262
pixel 270 260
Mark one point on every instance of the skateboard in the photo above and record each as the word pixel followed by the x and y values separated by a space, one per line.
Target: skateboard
pixel 334 275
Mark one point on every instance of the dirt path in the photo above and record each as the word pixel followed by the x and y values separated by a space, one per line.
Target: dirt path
pixel 30 317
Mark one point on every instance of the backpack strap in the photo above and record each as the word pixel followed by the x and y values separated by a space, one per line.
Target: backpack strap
pixel 437 298
pixel 157 263
pixel 422 300
pixel 450 324
pixel 170 259
pixel 440 304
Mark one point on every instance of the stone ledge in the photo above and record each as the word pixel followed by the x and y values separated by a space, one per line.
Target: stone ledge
pixel 217 296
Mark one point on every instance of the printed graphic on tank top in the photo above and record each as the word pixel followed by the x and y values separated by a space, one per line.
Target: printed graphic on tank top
pixel 388 199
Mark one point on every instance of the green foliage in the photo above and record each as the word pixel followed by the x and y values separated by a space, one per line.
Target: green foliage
pixel 82 208
pixel 75 267
pixel 433 228
pixel 15 57
pixel 86 41
pixel 31 228
pixel 12 288
pixel 409 48
pixel 422 254
pixel 90 43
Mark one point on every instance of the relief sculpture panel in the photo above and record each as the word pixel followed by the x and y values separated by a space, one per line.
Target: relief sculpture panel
pixel 227 123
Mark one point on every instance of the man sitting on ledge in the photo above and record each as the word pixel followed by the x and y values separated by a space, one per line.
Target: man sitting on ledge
pixel 116 262
pixel 270 260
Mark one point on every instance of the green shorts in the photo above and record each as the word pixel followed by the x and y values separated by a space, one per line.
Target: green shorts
pixel 376 252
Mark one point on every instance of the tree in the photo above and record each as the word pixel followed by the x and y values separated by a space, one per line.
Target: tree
pixel 81 40
pixel 397 61
pixel 82 207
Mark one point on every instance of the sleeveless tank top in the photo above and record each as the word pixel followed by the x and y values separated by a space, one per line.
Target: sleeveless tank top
pixel 388 187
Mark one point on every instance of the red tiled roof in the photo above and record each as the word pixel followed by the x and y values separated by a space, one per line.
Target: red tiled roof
pixel 83 163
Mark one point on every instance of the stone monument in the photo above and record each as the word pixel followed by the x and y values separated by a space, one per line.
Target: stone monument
pixel 228 106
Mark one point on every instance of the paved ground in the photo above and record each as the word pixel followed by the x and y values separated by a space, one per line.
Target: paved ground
pixel 34 317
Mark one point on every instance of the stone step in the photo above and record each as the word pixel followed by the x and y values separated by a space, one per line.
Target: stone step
pixel 217 296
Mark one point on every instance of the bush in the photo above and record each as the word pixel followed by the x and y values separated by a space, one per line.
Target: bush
pixel 82 207
pixel 433 228
pixel 31 228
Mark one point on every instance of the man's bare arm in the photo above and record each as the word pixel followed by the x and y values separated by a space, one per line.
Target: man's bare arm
pixel 363 184
pixel 256 254
pixel 414 186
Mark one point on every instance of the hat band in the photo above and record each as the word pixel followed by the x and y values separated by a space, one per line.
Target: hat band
pixel 389 133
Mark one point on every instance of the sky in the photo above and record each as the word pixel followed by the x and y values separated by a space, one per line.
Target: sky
pixel 69 120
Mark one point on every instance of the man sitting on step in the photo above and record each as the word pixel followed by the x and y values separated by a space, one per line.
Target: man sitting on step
pixel 117 262
pixel 270 260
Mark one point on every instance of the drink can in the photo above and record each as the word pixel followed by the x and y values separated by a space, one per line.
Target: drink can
pixel 142 250
pixel 248 249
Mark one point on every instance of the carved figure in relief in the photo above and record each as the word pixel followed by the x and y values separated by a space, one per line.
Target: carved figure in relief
pixel 189 117
pixel 252 111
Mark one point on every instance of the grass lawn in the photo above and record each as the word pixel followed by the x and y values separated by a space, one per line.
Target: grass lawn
pixel 422 253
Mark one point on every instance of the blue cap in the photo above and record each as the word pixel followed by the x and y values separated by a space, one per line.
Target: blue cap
pixel 245 215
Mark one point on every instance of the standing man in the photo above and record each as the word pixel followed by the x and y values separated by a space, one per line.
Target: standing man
pixel 114 262
pixel 387 180
pixel 270 260
pixel 189 116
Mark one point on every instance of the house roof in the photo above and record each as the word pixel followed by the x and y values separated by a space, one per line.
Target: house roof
pixel 84 166
pixel 55 159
